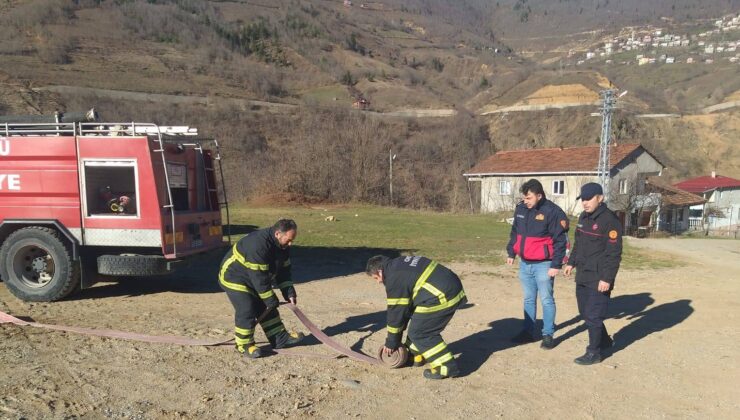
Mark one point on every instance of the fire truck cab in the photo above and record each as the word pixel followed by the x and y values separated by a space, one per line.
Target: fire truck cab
pixel 83 199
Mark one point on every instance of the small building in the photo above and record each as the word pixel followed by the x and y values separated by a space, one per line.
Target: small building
pixel 361 103
pixel 670 210
pixel 722 195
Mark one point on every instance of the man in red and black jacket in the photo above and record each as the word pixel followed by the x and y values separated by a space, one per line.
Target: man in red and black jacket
pixel 539 236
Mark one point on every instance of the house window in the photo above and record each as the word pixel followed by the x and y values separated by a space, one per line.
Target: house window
pixel 558 187
pixel 623 186
pixel 504 187
pixel 680 215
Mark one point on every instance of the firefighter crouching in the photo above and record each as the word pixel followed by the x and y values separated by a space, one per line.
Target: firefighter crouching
pixel 424 296
pixel 247 274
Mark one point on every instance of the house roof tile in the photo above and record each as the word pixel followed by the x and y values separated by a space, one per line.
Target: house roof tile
pixel 707 183
pixel 674 196
pixel 550 161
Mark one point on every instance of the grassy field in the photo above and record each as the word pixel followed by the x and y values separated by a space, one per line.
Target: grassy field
pixel 328 94
pixel 443 236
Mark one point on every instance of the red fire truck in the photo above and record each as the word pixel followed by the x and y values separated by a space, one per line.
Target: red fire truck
pixel 83 199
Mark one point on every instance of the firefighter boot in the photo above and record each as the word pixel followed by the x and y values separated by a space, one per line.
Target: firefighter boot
pixel 286 339
pixel 250 350
pixel 448 370
pixel 418 360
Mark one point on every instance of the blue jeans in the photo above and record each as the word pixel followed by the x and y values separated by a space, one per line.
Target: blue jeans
pixel 534 279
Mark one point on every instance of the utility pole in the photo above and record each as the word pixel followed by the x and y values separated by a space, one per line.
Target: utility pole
pixel 391 156
pixel 609 100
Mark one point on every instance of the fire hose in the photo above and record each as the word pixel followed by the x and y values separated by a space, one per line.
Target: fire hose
pixel 397 359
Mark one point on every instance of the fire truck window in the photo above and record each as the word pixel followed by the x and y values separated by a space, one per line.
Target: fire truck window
pixel 178 176
pixel 110 189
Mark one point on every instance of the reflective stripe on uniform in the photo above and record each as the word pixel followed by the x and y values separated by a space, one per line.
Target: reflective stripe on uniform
pixel 285 284
pixel 397 301
pixel 394 330
pixel 434 350
pixel 243 331
pixel 243 341
pixel 249 265
pixel 441 306
pixel 436 292
pixel 441 360
pixel 234 286
pixel 274 331
pixel 270 322
pixel 266 295
pixel 286 263
pixel 236 256
pixel 423 278
pixel 411 345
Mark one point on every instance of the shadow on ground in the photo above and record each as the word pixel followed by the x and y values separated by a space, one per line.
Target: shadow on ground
pixel 201 273
pixel 645 321
pixel 475 349
pixel 369 324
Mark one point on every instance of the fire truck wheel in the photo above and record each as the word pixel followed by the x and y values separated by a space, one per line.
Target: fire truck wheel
pixel 132 265
pixel 37 265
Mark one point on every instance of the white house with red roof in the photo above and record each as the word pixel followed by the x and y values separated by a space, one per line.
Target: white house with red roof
pixel 562 171
pixel 722 208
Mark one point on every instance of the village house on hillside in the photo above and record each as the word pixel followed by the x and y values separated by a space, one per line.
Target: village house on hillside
pixel 662 207
pixel 562 171
pixel 722 195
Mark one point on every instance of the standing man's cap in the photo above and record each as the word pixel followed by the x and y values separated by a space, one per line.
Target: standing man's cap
pixel 588 191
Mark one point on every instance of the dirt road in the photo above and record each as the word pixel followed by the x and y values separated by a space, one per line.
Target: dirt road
pixel 676 353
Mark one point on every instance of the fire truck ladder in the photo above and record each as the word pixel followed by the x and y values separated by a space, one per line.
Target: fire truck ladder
pixel 210 178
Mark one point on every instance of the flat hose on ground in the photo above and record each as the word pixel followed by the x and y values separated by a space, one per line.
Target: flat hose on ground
pixel 184 341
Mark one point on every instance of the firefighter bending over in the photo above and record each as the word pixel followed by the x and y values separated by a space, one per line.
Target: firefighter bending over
pixel 424 296
pixel 247 274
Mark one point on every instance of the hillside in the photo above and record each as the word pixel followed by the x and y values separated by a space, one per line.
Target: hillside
pixel 265 75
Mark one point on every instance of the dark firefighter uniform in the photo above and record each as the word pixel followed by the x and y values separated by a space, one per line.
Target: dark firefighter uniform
pixel 424 296
pixel 247 274
pixel 596 255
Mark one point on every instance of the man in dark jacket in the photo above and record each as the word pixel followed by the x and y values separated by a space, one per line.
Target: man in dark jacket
pixel 247 274
pixel 539 235
pixel 424 296
pixel 596 255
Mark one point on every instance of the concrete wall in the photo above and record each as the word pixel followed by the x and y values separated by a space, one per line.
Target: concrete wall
pixel 727 200
pixel 492 200
pixel 674 220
